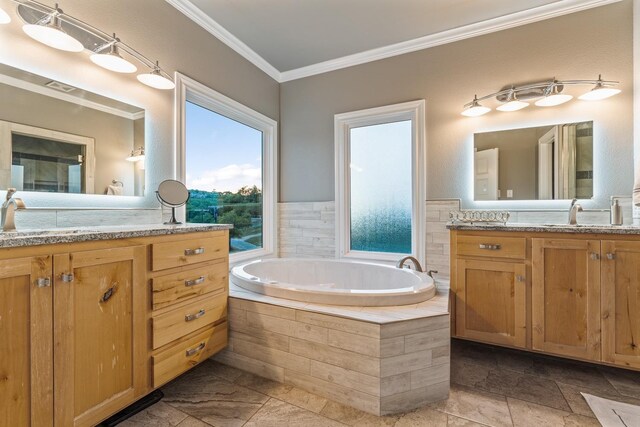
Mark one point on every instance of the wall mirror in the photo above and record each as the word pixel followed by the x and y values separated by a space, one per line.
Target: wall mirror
pixel 538 163
pixel 57 138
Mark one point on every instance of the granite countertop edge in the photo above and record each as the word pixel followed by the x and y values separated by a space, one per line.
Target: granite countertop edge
pixel 24 238
pixel 543 228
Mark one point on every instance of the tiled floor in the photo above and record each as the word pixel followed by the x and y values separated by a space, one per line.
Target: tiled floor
pixel 490 386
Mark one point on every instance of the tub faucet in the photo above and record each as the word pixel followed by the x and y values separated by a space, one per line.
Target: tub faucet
pixel 8 211
pixel 573 212
pixel 416 263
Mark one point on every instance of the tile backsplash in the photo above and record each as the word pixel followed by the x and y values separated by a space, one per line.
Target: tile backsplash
pixel 53 218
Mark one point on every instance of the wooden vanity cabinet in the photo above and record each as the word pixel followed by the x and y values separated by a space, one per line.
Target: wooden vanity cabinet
pixel 89 328
pixel 26 356
pixel 565 314
pixel 490 289
pixel 621 302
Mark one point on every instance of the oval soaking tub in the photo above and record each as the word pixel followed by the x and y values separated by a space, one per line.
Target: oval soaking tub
pixel 334 282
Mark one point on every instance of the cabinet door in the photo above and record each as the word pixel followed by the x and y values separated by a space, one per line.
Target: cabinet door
pixel 491 301
pixel 99 333
pixel 26 368
pixel 565 310
pixel 621 303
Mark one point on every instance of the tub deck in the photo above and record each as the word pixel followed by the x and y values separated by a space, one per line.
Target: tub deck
pixel 381 360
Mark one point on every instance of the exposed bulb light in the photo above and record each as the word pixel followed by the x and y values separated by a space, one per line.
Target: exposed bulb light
pixel 155 79
pixel 112 60
pixel 475 109
pixel 4 17
pixel 136 155
pixel 600 91
pixel 49 31
pixel 513 104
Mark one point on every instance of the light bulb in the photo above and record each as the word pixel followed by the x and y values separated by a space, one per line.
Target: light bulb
pixel 156 80
pixel 553 100
pixel 4 17
pixel 53 35
pixel 514 105
pixel 113 61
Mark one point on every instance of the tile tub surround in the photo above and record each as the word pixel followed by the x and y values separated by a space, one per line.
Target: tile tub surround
pixel 35 237
pixel 380 360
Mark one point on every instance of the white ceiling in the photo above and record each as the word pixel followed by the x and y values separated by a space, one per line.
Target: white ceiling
pixel 284 37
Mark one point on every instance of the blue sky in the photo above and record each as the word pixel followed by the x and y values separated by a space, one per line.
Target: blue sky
pixel 221 154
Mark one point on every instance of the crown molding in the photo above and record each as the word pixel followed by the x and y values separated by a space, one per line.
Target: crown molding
pixel 218 31
pixel 540 13
pixel 517 19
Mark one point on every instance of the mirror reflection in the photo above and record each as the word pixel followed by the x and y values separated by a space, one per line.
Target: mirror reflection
pixel 60 139
pixel 537 163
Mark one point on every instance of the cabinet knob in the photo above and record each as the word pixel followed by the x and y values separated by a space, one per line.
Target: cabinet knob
pixel 197 251
pixel 520 278
pixel 194 350
pixel 43 282
pixel 595 256
pixel 611 256
pixel 194 282
pixel 190 317
pixel 67 277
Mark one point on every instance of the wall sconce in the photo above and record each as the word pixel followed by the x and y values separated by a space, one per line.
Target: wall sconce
pixel 54 28
pixel 547 94
pixel 136 155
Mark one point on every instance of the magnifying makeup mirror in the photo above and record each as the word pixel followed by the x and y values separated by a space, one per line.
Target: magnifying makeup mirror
pixel 173 194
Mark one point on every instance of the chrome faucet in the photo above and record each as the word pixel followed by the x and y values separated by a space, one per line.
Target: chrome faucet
pixel 416 263
pixel 573 212
pixel 8 211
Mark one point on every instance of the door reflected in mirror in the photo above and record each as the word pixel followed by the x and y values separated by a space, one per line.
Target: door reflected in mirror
pixel 538 163
pixel 57 138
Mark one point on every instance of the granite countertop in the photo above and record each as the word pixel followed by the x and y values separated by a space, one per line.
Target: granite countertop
pixel 547 228
pixel 34 237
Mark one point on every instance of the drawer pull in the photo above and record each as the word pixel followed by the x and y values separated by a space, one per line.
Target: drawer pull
pixel 194 282
pixel 67 277
pixel 43 282
pixel 195 350
pixel 197 251
pixel 490 246
pixel 190 317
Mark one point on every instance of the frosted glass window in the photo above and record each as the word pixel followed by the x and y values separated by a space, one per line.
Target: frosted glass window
pixel 380 180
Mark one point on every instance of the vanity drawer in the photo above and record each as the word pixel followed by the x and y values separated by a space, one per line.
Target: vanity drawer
pixel 182 321
pixel 492 246
pixel 186 252
pixel 178 287
pixel 172 362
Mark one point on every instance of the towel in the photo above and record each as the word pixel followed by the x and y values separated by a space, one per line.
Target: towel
pixel 115 190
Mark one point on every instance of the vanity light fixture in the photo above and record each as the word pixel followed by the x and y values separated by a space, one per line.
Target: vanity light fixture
pixel 155 79
pixel 546 94
pixel 513 103
pixel 136 155
pixel 49 25
pixel 600 91
pixel 112 60
pixel 4 17
pixel 48 31
pixel 474 109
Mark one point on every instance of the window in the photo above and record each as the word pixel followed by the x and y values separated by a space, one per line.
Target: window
pixel 380 188
pixel 227 160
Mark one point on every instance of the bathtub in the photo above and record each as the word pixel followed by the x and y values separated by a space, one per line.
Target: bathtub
pixel 334 282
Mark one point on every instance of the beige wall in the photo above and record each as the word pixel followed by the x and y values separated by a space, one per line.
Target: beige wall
pixel 576 46
pixel 160 32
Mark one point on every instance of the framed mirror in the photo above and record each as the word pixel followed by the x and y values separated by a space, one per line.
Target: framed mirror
pixel 56 138
pixel 538 163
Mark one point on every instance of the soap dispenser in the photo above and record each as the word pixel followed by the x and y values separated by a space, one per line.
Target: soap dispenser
pixel 616 212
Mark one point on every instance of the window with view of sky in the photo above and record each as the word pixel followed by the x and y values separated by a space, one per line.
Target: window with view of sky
pixel 224 175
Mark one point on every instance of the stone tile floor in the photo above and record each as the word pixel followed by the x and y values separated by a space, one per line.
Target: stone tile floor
pixel 490 386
